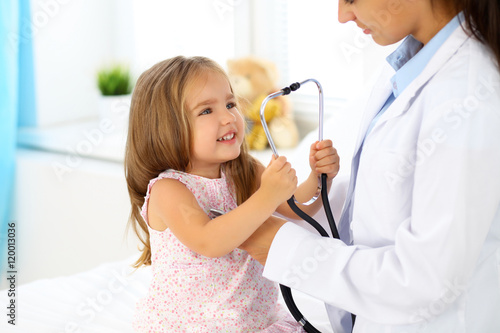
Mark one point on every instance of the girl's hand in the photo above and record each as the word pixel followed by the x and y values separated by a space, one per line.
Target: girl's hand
pixel 323 158
pixel 279 180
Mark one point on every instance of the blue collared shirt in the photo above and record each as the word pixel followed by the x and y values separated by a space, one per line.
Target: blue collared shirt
pixel 410 59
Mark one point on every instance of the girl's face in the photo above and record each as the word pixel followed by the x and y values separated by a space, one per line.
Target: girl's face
pixel 389 21
pixel 217 125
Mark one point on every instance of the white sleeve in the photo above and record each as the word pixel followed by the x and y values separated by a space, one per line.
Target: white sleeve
pixel 456 198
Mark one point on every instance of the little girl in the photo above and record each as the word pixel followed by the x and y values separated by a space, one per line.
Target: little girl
pixel 197 195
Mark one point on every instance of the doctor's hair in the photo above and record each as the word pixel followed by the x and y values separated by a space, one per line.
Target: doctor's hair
pixel 481 20
pixel 160 136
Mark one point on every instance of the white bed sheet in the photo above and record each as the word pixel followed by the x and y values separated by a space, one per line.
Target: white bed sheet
pixel 99 300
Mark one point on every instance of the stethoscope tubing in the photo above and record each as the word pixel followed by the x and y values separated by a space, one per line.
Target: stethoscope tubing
pixel 286 292
pixel 292 202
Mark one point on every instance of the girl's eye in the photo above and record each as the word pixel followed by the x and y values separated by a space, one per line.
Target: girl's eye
pixel 207 111
pixel 349 1
pixel 230 105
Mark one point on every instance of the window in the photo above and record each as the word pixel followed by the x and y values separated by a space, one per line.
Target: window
pixel 73 39
pixel 307 41
pixel 303 38
pixel 165 29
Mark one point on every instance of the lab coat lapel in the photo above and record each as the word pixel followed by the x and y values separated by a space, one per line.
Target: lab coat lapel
pixel 338 318
pixel 378 97
pixel 403 102
pixel 376 101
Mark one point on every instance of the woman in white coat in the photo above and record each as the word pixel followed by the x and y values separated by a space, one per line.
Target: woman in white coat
pixel 420 228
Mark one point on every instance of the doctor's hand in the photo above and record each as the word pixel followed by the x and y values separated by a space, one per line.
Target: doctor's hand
pixel 259 243
pixel 323 158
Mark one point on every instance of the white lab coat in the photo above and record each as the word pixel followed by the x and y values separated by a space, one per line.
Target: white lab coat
pixel 426 220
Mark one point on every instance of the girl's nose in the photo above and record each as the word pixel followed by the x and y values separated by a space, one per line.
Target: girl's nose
pixel 345 12
pixel 227 117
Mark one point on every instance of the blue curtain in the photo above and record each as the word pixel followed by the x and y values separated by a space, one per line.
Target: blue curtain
pixel 17 98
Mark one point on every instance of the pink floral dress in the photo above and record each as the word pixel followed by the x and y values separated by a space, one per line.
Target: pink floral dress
pixel 193 293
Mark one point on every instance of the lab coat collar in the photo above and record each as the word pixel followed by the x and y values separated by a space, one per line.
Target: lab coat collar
pixel 403 102
pixel 411 57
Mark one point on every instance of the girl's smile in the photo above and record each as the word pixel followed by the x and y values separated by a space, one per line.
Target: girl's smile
pixel 228 138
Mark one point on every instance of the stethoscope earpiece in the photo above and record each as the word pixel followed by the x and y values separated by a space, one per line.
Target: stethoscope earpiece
pixel 286 91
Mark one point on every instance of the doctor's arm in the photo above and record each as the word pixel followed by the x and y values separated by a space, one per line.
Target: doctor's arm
pixel 258 244
pixel 435 250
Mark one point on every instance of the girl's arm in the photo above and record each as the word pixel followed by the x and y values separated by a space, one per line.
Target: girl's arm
pixel 323 158
pixel 173 206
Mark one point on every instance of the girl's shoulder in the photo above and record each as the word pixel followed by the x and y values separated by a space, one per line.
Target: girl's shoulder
pixel 183 177
pixel 180 176
pixel 186 179
pixel 202 188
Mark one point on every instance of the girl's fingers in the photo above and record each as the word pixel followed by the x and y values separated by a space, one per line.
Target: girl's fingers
pixel 277 162
pixel 326 154
pixel 330 159
pixel 313 151
pixel 273 158
pixel 319 145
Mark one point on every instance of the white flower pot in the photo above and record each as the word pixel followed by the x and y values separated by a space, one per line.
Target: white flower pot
pixel 115 109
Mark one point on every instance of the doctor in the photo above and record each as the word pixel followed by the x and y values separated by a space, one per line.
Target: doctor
pixel 421 222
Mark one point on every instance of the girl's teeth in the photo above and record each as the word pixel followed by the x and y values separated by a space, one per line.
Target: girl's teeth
pixel 227 137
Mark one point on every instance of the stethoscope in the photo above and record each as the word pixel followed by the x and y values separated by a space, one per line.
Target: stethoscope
pixel 292 202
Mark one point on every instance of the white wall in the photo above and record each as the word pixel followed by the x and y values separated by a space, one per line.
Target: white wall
pixel 71 224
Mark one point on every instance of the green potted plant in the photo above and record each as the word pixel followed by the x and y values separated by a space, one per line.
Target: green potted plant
pixel 115 85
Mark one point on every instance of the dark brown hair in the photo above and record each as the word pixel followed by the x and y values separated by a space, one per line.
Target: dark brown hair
pixel 481 20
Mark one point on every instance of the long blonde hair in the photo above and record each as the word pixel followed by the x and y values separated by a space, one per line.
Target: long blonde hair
pixel 159 137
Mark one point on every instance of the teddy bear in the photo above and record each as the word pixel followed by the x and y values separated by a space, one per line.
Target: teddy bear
pixel 253 79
